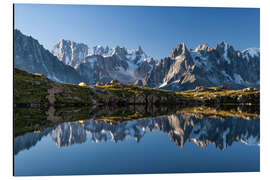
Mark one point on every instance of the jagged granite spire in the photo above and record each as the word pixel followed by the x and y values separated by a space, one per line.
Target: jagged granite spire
pixel 179 50
pixel 206 66
pixel 203 47
pixel 70 52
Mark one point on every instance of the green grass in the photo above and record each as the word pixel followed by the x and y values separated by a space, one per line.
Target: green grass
pixel 74 94
pixel 30 88
pixel 33 89
pixel 223 96
pixel 36 119
pixel 128 91
pixel 29 119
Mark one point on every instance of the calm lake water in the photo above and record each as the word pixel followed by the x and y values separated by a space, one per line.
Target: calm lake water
pixel 174 143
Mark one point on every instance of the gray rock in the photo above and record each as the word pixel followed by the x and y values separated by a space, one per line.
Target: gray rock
pixel 206 66
pixel 32 57
pixel 70 53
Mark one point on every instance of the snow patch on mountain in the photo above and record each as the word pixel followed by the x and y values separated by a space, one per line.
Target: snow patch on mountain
pixel 226 75
pixel 227 59
pixel 251 52
pixel 163 84
pixel 238 79
pixel 131 54
pixel 200 61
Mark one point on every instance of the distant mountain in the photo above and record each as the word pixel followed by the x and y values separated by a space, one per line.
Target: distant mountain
pixel 184 69
pixel 206 66
pixel 70 53
pixel 30 56
pixel 103 64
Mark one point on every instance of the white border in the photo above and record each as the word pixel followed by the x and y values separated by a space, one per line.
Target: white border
pixel 6 85
pixel 202 3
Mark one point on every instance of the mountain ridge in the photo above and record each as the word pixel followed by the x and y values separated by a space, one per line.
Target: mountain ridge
pixel 31 56
pixel 103 64
pixel 206 66
pixel 183 69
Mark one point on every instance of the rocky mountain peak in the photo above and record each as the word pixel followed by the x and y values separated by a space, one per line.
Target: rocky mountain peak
pixel 226 52
pixel 100 50
pixel 251 53
pixel 203 47
pixel 32 57
pixel 179 50
pixel 64 42
pixel 223 47
pixel 70 52
pixel 139 50
pixel 206 66
pixel 120 51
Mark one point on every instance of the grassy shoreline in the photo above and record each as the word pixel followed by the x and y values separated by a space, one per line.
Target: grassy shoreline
pixel 35 90
pixel 37 119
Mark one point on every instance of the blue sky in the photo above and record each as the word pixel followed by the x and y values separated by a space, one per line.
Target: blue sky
pixel 157 29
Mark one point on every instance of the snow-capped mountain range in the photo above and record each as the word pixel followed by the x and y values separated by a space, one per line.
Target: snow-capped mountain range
pixel 102 64
pixel 206 66
pixel 73 54
pixel 184 69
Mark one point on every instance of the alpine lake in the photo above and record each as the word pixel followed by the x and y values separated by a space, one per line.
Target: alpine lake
pixel 135 140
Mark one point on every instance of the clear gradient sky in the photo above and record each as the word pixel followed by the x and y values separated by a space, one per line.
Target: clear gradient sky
pixel 157 29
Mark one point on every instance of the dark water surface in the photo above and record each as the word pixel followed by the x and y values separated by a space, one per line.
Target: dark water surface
pixel 172 143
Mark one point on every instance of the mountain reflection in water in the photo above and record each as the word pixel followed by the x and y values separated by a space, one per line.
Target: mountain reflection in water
pixel 180 127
